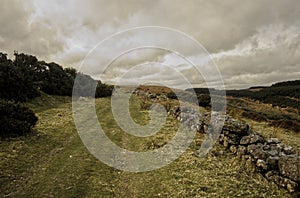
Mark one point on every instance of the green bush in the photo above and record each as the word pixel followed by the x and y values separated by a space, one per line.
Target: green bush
pixel 15 119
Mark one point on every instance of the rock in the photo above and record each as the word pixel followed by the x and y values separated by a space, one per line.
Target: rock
pixel 241 150
pixel 225 142
pixel 273 141
pixel 289 150
pixel 152 96
pixel 235 126
pixel 250 165
pixel 245 157
pixel 266 147
pixel 233 149
pixel 274 176
pixel 273 152
pixel 275 149
pixel 272 162
pixel 261 164
pixel 289 166
pixel 251 139
pixel 232 139
pixel 221 138
pixel 193 127
pixel 256 150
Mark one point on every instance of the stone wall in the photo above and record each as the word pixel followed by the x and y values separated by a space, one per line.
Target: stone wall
pixel 278 162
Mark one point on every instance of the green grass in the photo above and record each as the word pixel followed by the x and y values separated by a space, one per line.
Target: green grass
pixel 53 162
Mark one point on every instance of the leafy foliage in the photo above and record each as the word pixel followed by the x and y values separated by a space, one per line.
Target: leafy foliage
pixel 16 80
pixel 24 77
pixel 15 119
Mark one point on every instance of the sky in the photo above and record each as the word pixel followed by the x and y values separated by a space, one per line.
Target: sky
pixel 250 42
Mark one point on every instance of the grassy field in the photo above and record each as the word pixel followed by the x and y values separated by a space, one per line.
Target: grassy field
pixel 53 162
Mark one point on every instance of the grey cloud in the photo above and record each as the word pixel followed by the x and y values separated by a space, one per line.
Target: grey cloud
pixel 274 55
pixel 19 33
pixel 65 32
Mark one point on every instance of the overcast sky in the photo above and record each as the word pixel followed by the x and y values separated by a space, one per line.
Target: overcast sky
pixel 253 42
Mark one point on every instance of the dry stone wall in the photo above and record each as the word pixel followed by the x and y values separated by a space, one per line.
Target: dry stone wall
pixel 278 162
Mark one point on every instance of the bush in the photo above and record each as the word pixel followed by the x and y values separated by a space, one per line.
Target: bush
pixel 204 100
pixel 15 119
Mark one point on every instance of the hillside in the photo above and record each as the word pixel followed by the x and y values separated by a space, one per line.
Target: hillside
pixel 278 104
pixel 281 94
pixel 54 162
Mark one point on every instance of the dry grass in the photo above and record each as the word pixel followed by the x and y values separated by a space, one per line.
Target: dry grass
pixel 54 163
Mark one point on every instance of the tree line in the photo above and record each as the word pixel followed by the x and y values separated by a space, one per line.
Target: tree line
pixel 25 77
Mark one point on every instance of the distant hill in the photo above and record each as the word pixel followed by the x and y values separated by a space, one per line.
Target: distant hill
pixel 287 83
pixel 282 94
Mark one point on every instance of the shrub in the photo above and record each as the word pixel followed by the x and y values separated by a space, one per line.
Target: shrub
pixel 15 119
pixel 204 100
